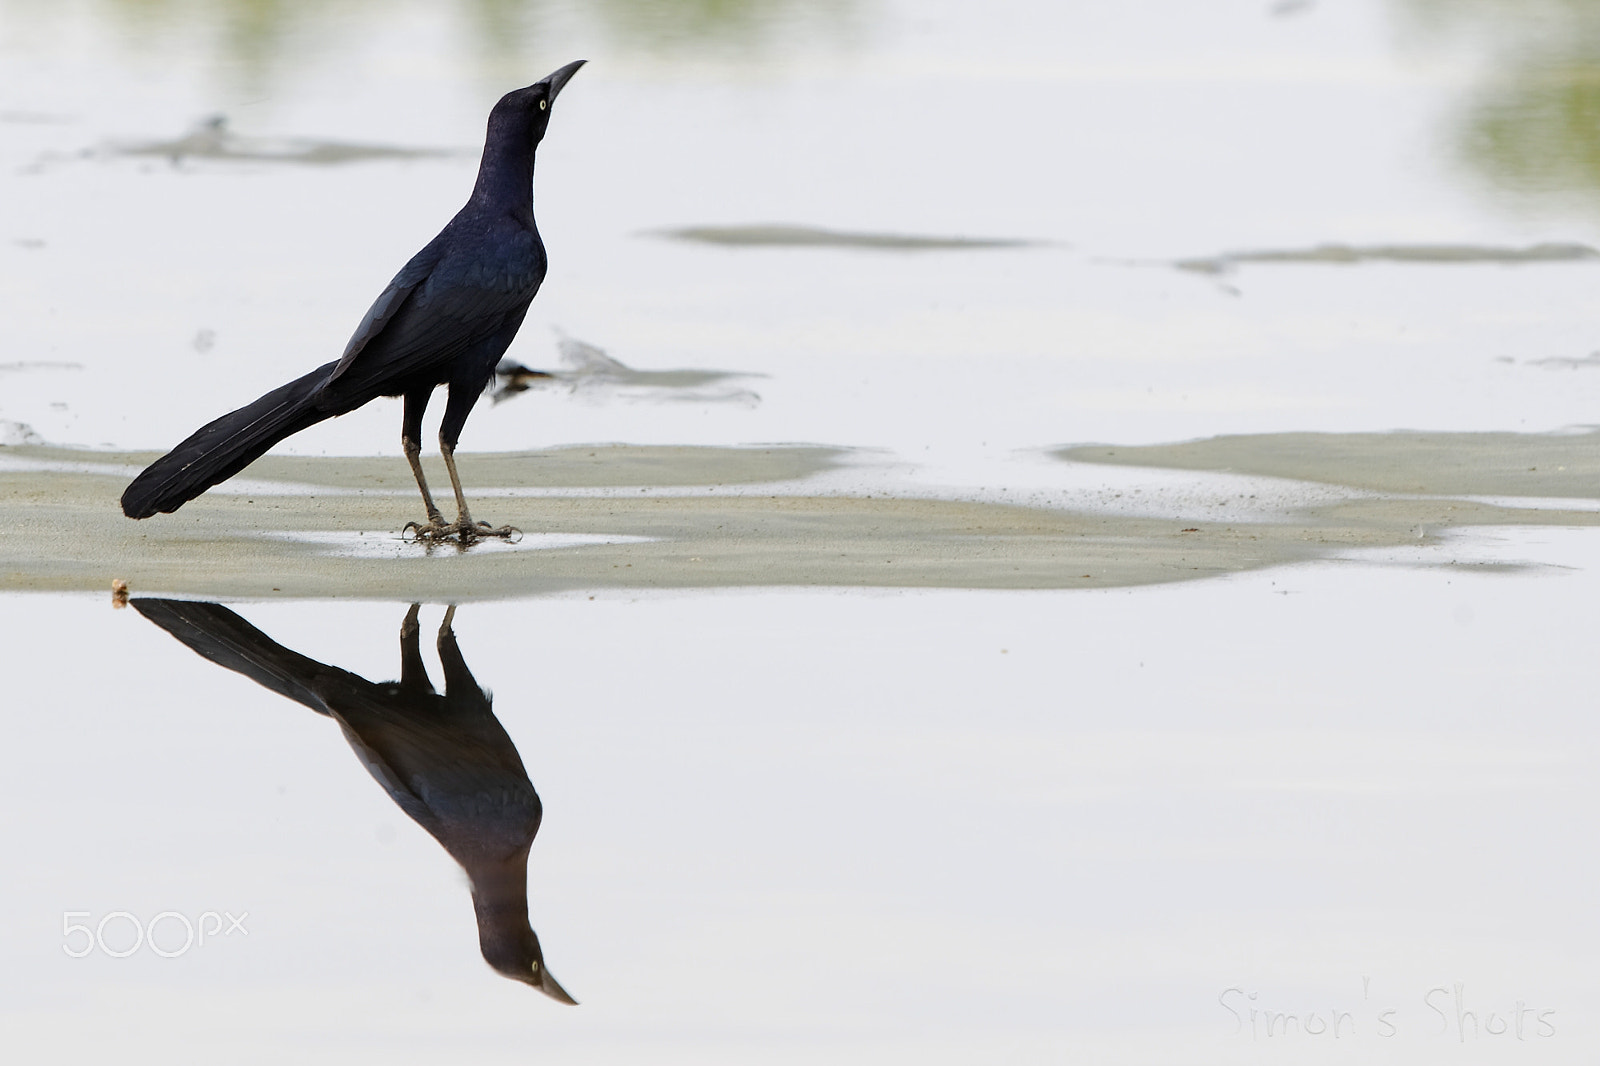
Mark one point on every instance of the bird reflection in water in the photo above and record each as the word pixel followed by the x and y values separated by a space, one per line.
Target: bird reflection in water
pixel 445 759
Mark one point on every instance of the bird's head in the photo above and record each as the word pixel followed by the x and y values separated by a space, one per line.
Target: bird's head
pixel 529 108
pixel 519 958
pixel 508 942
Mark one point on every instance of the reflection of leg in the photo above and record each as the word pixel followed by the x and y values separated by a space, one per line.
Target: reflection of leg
pixel 411 443
pixel 456 675
pixel 413 673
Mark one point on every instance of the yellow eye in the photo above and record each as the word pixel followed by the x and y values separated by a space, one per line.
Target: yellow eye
pixel 543 104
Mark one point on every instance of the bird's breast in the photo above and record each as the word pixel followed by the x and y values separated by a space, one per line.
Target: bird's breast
pixel 505 258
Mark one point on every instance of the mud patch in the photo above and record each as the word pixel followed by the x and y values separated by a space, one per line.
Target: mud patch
pixel 61 527
pixel 1547 465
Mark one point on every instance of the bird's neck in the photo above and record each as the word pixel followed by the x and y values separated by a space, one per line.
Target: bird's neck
pixel 500 887
pixel 500 902
pixel 505 177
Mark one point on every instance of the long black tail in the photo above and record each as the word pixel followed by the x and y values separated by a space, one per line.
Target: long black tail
pixel 221 449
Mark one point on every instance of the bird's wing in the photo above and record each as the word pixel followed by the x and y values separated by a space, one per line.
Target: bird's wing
pixel 418 738
pixel 388 303
pixel 392 780
pixel 444 777
pixel 447 299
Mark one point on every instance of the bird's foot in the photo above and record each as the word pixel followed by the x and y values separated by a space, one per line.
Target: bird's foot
pixel 463 533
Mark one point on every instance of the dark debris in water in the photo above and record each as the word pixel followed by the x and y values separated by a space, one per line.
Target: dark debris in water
pixel 1349 254
pixel 212 140
pixel 778 235
pixel 589 370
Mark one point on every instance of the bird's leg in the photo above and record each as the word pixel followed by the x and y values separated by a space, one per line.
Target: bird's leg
pixel 461 399
pixel 410 442
pixel 463 394
pixel 457 678
pixel 465 526
pixel 450 654
pixel 413 674
pixel 414 457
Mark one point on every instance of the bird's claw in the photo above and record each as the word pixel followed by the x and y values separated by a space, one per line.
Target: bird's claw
pixel 510 534
pixel 433 532
pixel 437 531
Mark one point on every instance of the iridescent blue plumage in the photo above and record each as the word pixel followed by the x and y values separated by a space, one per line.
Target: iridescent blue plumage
pixel 446 319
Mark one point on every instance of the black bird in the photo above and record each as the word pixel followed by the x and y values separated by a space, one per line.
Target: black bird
pixel 445 319
pixel 446 760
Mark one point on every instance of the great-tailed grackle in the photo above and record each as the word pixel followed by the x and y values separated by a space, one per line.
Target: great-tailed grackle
pixel 445 319
pixel 446 760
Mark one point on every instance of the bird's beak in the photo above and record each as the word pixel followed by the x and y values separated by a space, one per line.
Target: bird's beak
pixel 561 77
pixel 551 987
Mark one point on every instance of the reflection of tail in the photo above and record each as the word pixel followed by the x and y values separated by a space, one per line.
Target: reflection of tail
pixel 216 633
pixel 221 449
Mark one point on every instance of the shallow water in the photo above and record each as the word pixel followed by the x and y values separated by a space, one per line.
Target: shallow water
pixel 988 262
pixel 854 827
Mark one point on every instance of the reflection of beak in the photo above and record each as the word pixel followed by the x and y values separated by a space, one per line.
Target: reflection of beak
pixel 549 985
pixel 561 77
